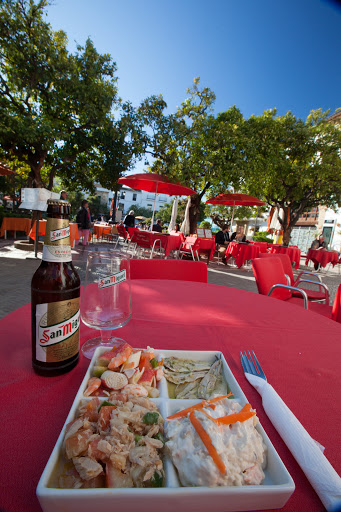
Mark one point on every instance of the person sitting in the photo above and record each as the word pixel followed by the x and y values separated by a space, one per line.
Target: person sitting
pixel 176 228
pixel 222 239
pixel 239 236
pixel 318 245
pixel 157 226
pixel 129 220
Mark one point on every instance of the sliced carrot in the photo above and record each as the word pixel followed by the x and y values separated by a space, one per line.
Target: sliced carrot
pixel 204 403
pixel 207 442
pixel 233 418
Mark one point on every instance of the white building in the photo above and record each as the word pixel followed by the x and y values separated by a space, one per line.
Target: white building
pixel 128 197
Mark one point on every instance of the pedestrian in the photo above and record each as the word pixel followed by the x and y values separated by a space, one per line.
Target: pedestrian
pixel 129 220
pixel 83 220
pixel 63 195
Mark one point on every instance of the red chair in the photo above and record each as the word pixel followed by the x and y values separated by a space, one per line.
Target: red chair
pixel 322 294
pixel 271 280
pixel 333 312
pixel 190 247
pixel 169 269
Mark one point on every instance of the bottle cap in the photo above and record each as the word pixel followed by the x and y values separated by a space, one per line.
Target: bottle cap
pixel 58 202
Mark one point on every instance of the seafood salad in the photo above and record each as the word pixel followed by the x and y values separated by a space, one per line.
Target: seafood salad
pixel 215 443
pixel 128 370
pixel 114 444
pixel 195 379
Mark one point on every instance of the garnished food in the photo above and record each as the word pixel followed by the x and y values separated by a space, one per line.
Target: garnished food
pixel 114 444
pixel 124 367
pixel 194 379
pixel 215 443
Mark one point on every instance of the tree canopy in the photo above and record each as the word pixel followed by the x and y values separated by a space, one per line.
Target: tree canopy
pixel 56 107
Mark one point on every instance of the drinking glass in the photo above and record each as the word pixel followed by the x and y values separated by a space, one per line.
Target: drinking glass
pixel 106 297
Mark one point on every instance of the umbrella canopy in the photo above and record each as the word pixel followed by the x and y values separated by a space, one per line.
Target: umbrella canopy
pixel 4 171
pixel 156 183
pixel 235 199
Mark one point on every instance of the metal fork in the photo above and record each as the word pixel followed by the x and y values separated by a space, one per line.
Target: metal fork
pixel 251 367
pixel 315 465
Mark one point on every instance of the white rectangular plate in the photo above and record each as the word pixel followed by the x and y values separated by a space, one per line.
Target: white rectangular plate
pixel 273 493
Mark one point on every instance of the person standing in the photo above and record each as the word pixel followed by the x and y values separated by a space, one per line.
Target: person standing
pixel 83 220
pixel 129 220
pixel 222 239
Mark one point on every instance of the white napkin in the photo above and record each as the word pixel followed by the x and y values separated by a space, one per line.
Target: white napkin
pixel 315 465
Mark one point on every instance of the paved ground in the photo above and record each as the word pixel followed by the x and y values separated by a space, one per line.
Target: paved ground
pixel 17 268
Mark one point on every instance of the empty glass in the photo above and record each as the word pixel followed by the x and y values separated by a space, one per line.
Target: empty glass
pixel 106 297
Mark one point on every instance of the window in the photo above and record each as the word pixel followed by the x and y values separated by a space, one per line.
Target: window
pixel 122 194
pixel 149 206
pixel 134 197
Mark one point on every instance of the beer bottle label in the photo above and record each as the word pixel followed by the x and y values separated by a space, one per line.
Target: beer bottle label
pixel 57 241
pixel 57 330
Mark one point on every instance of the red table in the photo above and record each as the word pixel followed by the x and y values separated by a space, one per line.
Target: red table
pixel 74 235
pixel 207 246
pixel 14 224
pixel 242 252
pixel 180 315
pixel 168 242
pixel 263 246
pixel 294 253
pixel 322 257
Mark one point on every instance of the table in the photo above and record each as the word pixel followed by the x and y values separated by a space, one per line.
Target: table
pixel 168 242
pixel 207 247
pixel 294 253
pixel 74 235
pixel 97 230
pixel 14 224
pixel 180 315
pixel 263 246
pixel 322 257
pixel 242 252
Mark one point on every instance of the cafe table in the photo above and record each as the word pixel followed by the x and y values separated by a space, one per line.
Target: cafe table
pixel 294 253
pixel 168 242
pixel 263 246
pixel 299 350
pixel 242 252
pixel 322 257
pixel 74 235
pixel 207 247
pixel 14 224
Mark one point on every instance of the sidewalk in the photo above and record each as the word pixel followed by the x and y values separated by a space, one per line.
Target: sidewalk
pixel 17 268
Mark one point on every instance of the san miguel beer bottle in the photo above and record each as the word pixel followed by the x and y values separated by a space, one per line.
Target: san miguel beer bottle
pixel 55 292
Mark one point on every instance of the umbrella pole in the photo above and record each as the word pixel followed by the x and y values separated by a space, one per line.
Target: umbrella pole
pixel 254 231
pixel 234 203
pixel 152 223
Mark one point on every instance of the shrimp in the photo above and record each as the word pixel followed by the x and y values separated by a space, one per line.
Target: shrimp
pixel 120 356
pixel 93 384
pixel 134 389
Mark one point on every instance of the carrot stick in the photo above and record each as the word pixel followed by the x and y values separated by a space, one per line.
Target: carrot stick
pixel 204 403
pixel 207 442
pixel 233 418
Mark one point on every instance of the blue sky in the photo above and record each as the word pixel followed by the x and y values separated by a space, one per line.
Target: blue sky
pixel 256 54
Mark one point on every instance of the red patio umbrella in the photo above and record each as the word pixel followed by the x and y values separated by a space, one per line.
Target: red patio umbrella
pixel 157 184
pixel 4 171
pixel 235 199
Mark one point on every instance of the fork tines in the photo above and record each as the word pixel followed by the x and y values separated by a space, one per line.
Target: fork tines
pixel 251 365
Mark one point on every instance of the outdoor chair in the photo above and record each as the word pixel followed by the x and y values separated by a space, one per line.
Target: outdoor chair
pixel 107 234
pixel 123 236
pixel 333 312
pixel 168 269
pixel 190 247
pixel 321 294
pixel 271 281
pixel 146 244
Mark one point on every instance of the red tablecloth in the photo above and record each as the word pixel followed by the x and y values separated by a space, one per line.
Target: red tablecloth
pixel 294 253
pixel 322 257
pixel 207 246
pixel 263 246
pixel 301 358
pixel 242 252
pixel 168 242
pixel 15 224
pixel 74 235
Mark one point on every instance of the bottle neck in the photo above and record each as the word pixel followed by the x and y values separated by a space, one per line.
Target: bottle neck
pixel 57 246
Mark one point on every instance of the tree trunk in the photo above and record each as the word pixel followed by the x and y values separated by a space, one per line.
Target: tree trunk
pixel 194 213
pixel 287 235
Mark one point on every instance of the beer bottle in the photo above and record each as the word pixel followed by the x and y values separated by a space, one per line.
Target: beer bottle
pixel 55 291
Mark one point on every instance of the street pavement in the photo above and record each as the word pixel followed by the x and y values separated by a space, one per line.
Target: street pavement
pixel 17 268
